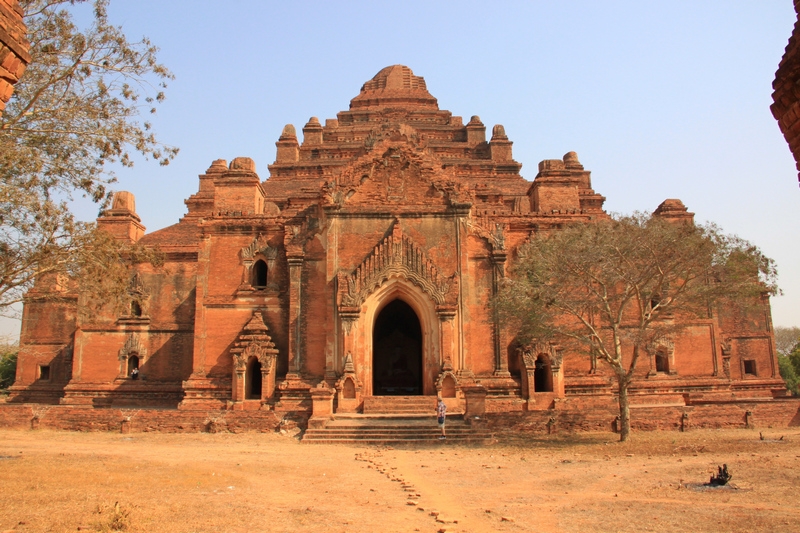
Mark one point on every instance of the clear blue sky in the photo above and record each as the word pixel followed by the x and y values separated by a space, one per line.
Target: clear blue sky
pixel 660 99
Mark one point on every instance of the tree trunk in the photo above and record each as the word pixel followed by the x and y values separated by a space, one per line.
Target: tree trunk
pixel 624 411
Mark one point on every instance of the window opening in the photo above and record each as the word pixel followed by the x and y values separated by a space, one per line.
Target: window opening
pixel 662 362
pixel 260 274
pixel 133 366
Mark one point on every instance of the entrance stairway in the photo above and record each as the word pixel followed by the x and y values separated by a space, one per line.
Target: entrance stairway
pixel 400 405
pixel 396 420
pixel 395 429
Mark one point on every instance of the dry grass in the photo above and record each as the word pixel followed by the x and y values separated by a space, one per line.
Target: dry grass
pixel 154 483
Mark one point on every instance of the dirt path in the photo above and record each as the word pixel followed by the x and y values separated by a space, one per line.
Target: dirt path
pixel 198 483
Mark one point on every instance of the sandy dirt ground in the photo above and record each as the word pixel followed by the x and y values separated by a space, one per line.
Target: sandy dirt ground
pixel 154 483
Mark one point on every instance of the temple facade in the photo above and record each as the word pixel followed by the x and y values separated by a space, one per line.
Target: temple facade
pixel 355 277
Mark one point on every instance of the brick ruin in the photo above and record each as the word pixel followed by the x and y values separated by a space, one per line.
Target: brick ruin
pixel 14 48
pixel 786 91
pixel 357 276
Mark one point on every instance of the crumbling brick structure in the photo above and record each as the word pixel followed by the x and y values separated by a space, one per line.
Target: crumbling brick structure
pixel 786 91
pixel 357 275
pixel 14 48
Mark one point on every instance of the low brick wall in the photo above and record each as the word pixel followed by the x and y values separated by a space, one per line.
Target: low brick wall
pixel 136 420
pixel 768 414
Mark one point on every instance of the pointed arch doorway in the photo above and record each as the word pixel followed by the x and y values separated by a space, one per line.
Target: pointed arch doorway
pixel 397 351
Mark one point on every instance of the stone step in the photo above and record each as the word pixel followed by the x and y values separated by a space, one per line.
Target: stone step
pixel 391 431
pixel 365 429
pixel 399 404
pixel 395 442
pixel 318 436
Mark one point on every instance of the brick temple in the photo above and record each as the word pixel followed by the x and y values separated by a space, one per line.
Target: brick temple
pixel 356 278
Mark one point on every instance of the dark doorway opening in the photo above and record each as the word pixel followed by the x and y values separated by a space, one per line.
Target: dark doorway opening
pixel 542 375
pixel 253 380
pixel 397 352
pixel 260 274
pixel 662 362
pixel 133 364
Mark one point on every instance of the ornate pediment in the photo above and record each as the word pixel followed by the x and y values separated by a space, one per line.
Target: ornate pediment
pixel 133 346
pixel 254 341
pixel 397 255
pixel 136 286
pixel 493 232
pixel 395 172
pixel 259 246
pixel 531 352
pixel 665 343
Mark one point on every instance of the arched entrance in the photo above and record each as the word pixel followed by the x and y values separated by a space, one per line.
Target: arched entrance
pixel 397 351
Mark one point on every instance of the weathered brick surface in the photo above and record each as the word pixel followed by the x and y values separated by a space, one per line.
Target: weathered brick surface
pixel 14 48
pixel 786 106
pixel 136 420
pixel 394 199
pixel 774 414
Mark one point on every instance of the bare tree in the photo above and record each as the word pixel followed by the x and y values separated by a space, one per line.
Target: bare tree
pixel 76 110
pixel 786 339
pixel 618 287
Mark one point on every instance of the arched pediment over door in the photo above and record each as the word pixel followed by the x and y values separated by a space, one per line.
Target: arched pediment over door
pixel 397 269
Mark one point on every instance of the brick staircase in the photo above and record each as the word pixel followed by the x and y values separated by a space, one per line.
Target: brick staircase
pixel 397 420
pixel 400 405
pixel 395 429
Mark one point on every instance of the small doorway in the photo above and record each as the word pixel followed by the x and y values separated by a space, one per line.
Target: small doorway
pixel 542 375
pixel 397 351
pixel 133 365
pixel 253 380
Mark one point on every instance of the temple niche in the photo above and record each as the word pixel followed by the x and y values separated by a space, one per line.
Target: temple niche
pixel 356 278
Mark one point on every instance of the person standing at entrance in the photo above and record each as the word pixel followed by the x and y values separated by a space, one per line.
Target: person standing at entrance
pixel 441 413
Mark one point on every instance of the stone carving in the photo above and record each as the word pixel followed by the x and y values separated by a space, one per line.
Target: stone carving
pixel 398 164
pixel 398 255
pixel 532 351
pixel 725 345
pixel 254 341
pixel 133 346
pixel 393 132
pixel 664 343
pixel 494 233
pixel 136 286
pixel 138 298
pixel 259 246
